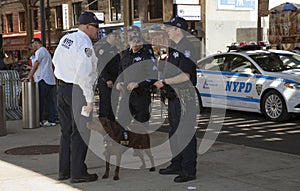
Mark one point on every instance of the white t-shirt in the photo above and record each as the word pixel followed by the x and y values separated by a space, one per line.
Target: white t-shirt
pixel 45 70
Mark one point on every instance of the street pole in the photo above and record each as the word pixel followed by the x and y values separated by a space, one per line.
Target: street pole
pixel 42 11
pixel 127 13
pixel 259 31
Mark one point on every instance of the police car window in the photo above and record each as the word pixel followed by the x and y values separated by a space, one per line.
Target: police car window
pixel 214 63
pixel 276 62
pixel 239 62
pixel 290 61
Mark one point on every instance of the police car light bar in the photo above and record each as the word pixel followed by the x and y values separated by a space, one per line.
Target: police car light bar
pixel 242 46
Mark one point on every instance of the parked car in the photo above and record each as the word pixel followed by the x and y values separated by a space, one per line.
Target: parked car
pixel 248 78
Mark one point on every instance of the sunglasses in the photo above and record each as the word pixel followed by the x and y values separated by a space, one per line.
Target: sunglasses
pixel 94 25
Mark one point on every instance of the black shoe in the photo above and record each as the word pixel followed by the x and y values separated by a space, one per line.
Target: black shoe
pixel 63 176
pixel 85 178
pixel 169 171
pixel 184 178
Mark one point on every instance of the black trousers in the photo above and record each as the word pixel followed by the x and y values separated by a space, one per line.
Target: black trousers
pixel 183 142
pixel 74 134
pixel 106 109
pixel 134 106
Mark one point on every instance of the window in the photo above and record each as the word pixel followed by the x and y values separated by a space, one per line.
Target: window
pixel 115 10
pixel 58 18
pixel 135 9
pixel 155 9
pixel 93 4
pixel 76 12
pixel 9 23
pixel 35 19
pixel 22 23
pixel 213 63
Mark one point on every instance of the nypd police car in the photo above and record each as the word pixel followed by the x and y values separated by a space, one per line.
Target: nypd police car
pixel 251 79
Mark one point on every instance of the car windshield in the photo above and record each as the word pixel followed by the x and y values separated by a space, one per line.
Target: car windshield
pixel 277 62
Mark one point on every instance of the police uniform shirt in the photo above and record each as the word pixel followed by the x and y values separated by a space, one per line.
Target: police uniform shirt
pixel 147 69
pixel 75 62
pixel 182 55
pixel 108 60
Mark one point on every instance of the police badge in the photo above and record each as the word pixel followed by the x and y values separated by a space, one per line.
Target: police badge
pixel 258 88
pixel 88 52
pixel 101 51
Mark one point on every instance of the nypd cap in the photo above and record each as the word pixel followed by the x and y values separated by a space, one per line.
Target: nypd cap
pixel 178 22
pixel 87 18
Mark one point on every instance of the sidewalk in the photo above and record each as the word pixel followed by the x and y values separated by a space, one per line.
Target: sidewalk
pixel 224 167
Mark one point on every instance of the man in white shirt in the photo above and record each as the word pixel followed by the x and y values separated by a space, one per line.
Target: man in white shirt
pixel 42 72
pixel 76 70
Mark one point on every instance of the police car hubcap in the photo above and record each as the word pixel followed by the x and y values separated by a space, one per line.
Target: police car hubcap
pixel 273 106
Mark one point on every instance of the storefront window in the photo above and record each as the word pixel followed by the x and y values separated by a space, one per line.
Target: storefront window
pixel 115 10
pixel 93 4
pixel 76 12
pixel 22 23
pixel 155 9
pixel 9 23
pixel 58 17
pixel 135 9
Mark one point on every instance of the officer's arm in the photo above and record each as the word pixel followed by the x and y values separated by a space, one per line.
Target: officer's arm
pixel 182 77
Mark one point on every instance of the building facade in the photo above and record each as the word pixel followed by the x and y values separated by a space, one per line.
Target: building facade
pixel 17 16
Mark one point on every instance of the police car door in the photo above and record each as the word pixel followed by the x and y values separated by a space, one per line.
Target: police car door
pixel 240 84
pixel 210 81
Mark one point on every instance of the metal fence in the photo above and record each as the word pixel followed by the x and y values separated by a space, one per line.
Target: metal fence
pixel 11 80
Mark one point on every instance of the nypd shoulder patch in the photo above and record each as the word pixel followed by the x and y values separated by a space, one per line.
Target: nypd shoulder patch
pixel 187 53
pixel 88 52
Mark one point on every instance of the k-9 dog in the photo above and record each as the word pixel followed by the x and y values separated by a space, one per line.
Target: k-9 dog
pixel 117 141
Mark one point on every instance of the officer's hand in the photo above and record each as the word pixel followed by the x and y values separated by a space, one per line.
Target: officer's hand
pixel 120 86
pixel 132 85
pixel 159 84
pixel 89 107
pixel 109 84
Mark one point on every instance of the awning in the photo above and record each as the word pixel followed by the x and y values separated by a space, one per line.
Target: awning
pixel 17 41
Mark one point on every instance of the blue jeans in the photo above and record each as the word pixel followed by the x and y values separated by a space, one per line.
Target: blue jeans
pixel 47 94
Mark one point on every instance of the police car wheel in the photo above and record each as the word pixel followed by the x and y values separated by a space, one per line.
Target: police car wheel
pixel 274 107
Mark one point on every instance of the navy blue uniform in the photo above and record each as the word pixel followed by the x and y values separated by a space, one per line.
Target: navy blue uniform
pixel 181 107
pixel 137 67
pixel 108 64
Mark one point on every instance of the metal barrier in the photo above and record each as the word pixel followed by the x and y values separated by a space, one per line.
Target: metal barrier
pixel 30 105
pixel 2 114
pixel 11 81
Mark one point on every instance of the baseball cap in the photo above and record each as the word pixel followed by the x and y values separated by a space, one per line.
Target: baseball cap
pixel 36 40
pixel 87 18
pixel 178 22
pixel 133 28
pixel 111 31
pixel 135 34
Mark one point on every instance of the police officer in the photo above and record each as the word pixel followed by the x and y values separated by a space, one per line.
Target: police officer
pixel 178 84
pixel 108 64
pixel 137 68
pixel 76 70
pixel 133 29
